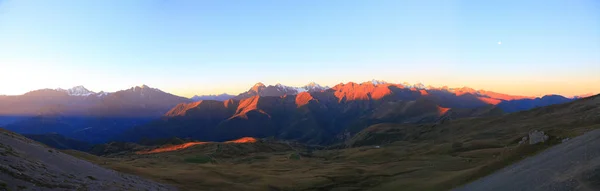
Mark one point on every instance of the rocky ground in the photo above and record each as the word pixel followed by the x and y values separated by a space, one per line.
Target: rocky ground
pixel 572 165
pixel 28 165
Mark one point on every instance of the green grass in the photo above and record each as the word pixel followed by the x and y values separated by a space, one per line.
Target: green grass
pixel 252 159
pixel 200 159
pixel 3 186
pixel 294 156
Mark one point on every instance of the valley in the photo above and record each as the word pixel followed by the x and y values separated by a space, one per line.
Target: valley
pixel 388 156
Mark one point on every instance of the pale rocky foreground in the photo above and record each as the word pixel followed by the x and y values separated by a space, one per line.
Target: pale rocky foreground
pixel 28 165
pixel 572 165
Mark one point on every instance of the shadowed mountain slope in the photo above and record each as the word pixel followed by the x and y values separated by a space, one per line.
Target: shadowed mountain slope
pixel 58 141
pixel 321 117
pixel 94 118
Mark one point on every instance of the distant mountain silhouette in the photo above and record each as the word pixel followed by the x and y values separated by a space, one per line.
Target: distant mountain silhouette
pixel 220 97
pixel 526 104
pixel 95 117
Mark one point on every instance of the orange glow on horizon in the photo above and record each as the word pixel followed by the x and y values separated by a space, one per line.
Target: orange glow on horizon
pixel 490 100
pixel 243 140
pixel 171 148
pixel 191 144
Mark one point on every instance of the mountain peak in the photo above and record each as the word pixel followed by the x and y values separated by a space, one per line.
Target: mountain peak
pixel 419 86
pixel 77 91
pixel 258 87
pixel 377 82
pixel 143 86
pixel 259 84
pixel 144 89
pixel 312 84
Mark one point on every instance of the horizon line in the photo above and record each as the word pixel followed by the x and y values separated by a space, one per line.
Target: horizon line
pixel 426 87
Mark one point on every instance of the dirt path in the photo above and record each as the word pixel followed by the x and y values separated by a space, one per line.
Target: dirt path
pixel 572 165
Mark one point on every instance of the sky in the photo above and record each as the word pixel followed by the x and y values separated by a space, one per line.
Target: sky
pixel 520 47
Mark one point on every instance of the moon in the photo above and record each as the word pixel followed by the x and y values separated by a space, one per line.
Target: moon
pixel 499 42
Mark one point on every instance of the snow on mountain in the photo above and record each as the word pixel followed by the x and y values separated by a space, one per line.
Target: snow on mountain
pixel 287 89
pixel 419 86
pixel 82 91
pixel 314 87
pixel 77 91
pixel 102 94
pixel 377 82
pixel 144 91
pixel 310 87
pixel 279 90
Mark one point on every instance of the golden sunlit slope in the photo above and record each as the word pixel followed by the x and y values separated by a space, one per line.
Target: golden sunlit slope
pixel 170 148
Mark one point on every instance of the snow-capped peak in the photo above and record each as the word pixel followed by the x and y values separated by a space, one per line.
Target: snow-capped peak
pixel 288 89
pixel 102 94
pixel 407 85
pixel 77 91
pixel 312 86
pixel 144 87
pixel 377 82
pixel 419 86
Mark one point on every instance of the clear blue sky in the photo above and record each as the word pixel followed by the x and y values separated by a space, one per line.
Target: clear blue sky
pixel 206 47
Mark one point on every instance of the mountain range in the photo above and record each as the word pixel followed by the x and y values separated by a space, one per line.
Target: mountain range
pixel 81 114
pixel 311 113
pixel 326 116
pixel 440 155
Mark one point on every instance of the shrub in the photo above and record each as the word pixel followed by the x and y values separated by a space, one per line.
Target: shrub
pixel 294 156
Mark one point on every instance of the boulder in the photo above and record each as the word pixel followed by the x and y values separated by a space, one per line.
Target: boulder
pixel 537 137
